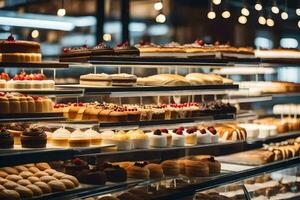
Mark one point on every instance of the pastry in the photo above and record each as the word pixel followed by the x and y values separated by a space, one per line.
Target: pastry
pixel 178 138
pixel 60 137
pixel 68 184
pixel 47 179
pixel 96 79
pixel 164 80
pixel 115 173
pixel 123 80
pixel 190 136
pixel 92 177
pixel 44 187
pixel 33 169
pixel 4 104
pixel 122 141
pixel 196 168
pixel 71 178
pixel 20 51
pixel 139 139
pixel 124 49
pixel 133 114
pixel 75 166
pixel 9 195
pixel 26 174
pixel 94 136
pixel 14 104
pixel 10 170
pixel 57 186
pixel 214 165
pixel 157 139
pixel 79 139
pixel 170 168
pixel 14 178
pixel 155 170
pixel 40 174
pixel 138 171
pixel 6 140
pixel 33 179
pixel 204 79
pixel 21 168
pixel 24 192
pixel 34 138
pixel 24 182
pixel 203 136
pixel 42 166
pixel 35 189
pixel 168 135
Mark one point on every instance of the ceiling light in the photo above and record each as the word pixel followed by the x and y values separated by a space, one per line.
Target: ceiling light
pixel 61 12
pixel 211 15
pixel 242 19
pixel 158 5
pixel 161 18
pixel 107 37
pixel 270 22
pixel 261 20
pixel 284 15
pixel 35 34
pixel 275 8
pixel 298 11
pixel 258 6
pixel 37 23
pixel 226 14
pixel 245 11
pixel 216 2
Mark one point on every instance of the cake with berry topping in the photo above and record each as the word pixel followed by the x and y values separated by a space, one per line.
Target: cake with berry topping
pixel 75 54
pixel 178 138
pixel 124 49
pixel 157 139
pixel 102 50
pixel 190 136
pixel 12 50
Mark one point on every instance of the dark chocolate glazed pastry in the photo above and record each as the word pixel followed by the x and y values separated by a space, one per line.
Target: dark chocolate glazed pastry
pixel 6 140
pixel 34 138
pixel 124 49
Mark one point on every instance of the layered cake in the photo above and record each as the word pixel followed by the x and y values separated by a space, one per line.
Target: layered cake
pixel 278 53
pixel 108 80
pixel 12 50
pixel 124 49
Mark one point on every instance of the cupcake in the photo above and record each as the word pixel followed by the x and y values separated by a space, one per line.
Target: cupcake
pixel 138 171
pixel 107 137
pixel 60 137
pixel 79 139
pixel 34 138
pixel 94 136
pixel 213 134
pixel 6 139
pixel 115 173
pixel 157 139
pixel 190 136
pixel 178 138
pixel 139 139
pixel 203 136
pixel 168 135
pixel 73 167
pixel 122 141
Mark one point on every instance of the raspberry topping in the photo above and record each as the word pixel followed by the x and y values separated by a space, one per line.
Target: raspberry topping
pixel 212 130
pixel 10 38
pixel 164 130
pixel 202 131
pixel 157 132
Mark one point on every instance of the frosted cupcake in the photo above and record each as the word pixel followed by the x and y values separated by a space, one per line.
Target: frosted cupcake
pixel 122 141
pixel 203 136
pixel 60 137
pixel 178 138
pixel 79 139
pixel 157 139
pixel 107 137
pixel 190 136
pixel 94 136
pixel 139 139
pixel 213 134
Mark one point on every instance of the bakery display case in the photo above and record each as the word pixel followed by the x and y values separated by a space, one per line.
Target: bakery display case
pixel 130 126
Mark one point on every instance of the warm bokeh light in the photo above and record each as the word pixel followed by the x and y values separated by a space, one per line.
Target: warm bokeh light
pixel 226 14
pixel 270 22
pixel 245 11
pixel 298 11
pixel 61 12
pixel 284 15
pixel 275 9
pixel 158 5
pixel 262 20
pixel 242 19
pixel 211 15
pixel 161 18
pixel 217 2
pixel 35 34
pixel 258 7
pixel 107 37
pixel 299 23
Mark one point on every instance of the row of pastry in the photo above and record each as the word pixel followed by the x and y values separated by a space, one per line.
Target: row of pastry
pixel 18 103
pixel 286 109
pixel 155 80
pixel 108 112
pixel 33 180
pixel 25 81
pixel 139 139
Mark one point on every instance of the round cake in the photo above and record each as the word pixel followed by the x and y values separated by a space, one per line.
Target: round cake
pixel 20 51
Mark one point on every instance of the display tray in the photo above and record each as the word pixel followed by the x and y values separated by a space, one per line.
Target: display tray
pixel 23 117
pixel 48 92
pixel 44 64
pixel 197 60
pixel 17 156
pixel 206 116
pixel 153 90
